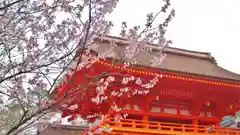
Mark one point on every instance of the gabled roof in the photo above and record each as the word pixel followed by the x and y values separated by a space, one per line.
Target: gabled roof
pixel 177 60
pixel 63 130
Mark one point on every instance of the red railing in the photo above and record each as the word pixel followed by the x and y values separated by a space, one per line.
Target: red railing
pixel 141 126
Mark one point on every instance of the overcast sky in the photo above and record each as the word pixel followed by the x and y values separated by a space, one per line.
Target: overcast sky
pixel 200 25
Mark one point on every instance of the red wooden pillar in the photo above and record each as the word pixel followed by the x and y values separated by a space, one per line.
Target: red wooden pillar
pixel 217 125
pixel 195 124
pixel 145 117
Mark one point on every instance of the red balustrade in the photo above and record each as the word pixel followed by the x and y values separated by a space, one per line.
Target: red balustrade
pixel 134 127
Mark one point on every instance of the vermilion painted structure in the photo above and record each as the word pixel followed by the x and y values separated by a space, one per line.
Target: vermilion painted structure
pixel 191 97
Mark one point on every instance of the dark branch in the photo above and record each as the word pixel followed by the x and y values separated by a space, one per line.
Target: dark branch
pixel 10 4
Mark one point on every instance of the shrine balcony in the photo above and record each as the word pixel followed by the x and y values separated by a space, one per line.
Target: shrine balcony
pixel 142 127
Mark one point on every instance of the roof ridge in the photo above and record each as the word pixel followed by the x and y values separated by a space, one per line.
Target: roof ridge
pixel 121 38
pixel 186 52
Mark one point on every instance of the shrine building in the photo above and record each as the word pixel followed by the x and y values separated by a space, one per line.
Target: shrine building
pixel 192 97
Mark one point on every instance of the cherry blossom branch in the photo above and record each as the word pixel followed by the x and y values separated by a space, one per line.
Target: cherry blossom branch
pixel 63 98
pixel 10 4
pixel 27 119
pixel 41 66
pixel 23 120
pixel 28 125
pixel 43 49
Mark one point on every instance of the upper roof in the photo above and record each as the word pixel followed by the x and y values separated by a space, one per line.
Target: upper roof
pixel 177 60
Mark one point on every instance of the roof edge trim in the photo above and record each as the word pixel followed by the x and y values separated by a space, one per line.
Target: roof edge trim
pixel 156 47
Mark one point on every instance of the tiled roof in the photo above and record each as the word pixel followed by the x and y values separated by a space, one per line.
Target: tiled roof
pixel 177 60
pixel 63 130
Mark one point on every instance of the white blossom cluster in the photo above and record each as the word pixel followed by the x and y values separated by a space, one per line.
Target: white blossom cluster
pixel 142 92
pixel 99 99
pixel 96 124
pixel 104 83
pixel 100 89
pixel 152 82
pixel 114 107
pixel 156 61
pixel 93 115
pixel 103 129
pixel 126 80
pixel 73 107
